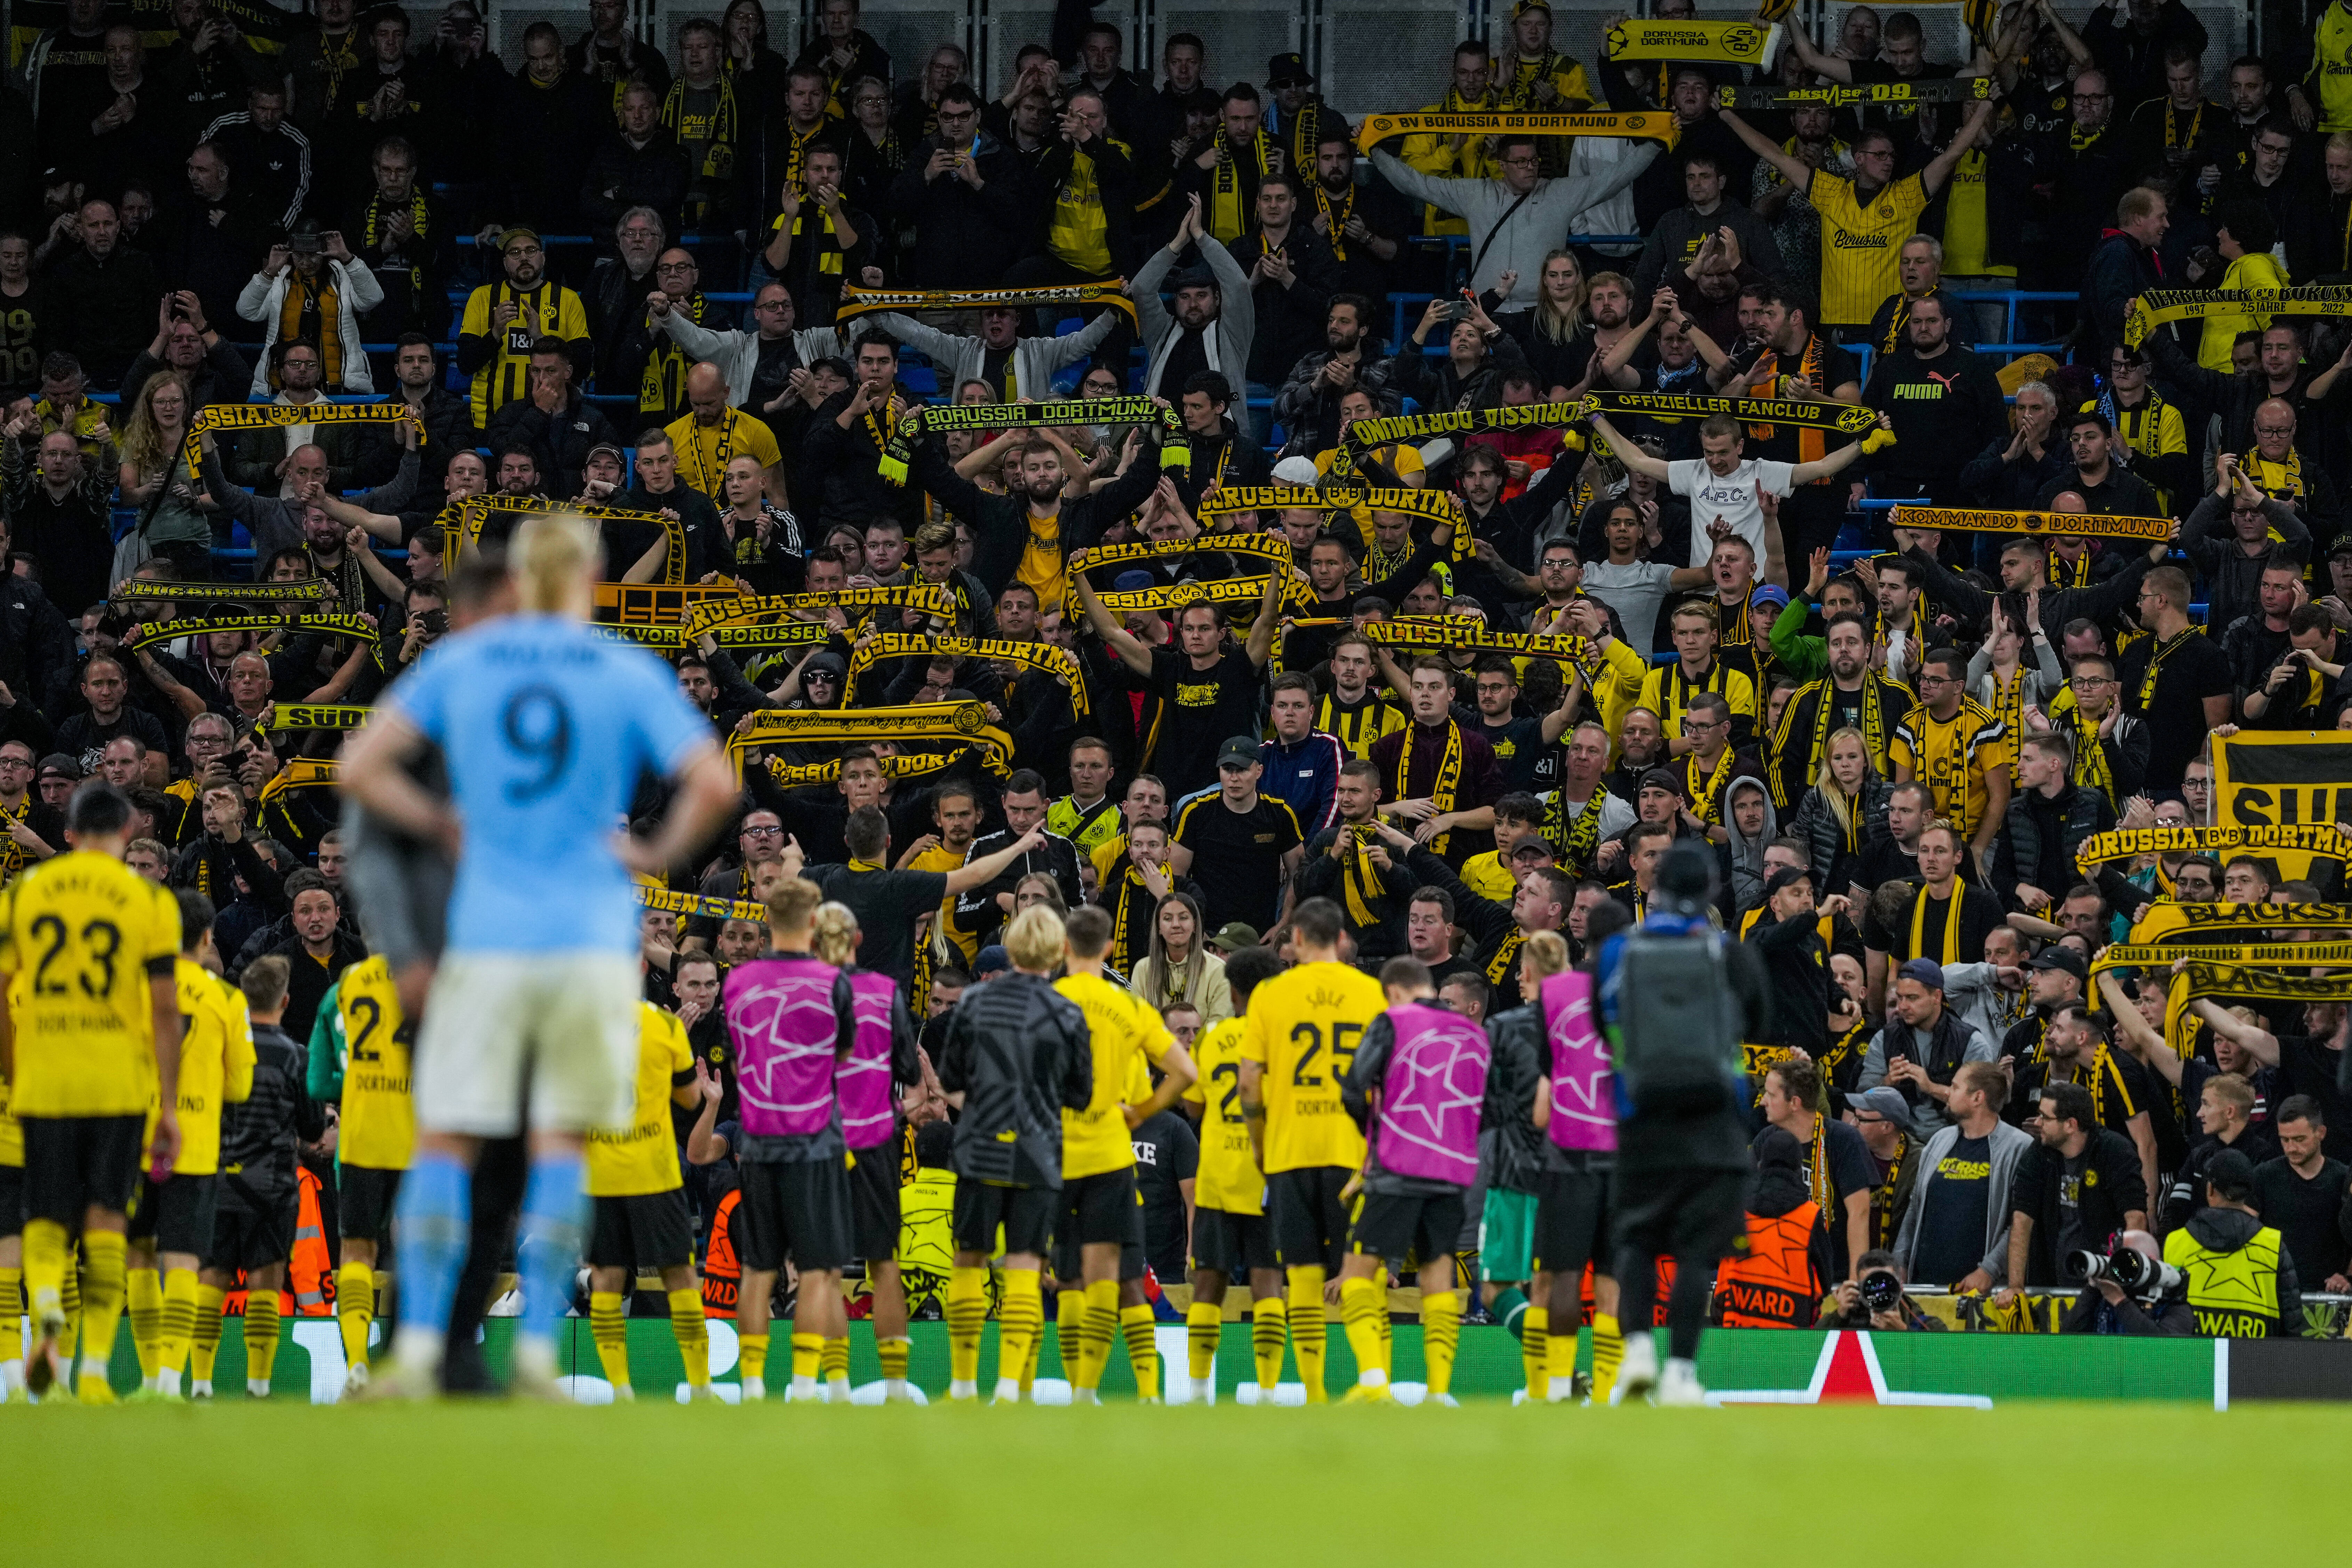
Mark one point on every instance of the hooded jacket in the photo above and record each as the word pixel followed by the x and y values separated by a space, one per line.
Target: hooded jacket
pixel 1747 853
pixel 2232 1231
pixel 2008 1148
pixel 1018 1050
pixel 1229 336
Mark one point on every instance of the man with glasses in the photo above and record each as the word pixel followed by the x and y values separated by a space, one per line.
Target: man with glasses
pixel 209 742
pixel 505 320
pixel 1960 752
pixel 2237 395
pixel 2109 745
pixel 35 830
pixel 650 363
pixel 2155 437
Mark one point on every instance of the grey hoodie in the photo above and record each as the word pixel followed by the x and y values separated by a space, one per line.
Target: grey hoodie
pixel 2008 1147
pixel 1748 854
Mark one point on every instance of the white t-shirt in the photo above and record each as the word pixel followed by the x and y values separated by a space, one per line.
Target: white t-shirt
pixel 1732 497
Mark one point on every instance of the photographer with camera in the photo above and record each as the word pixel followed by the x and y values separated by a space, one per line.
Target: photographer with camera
pixel 2241 1283
pixel 2128 1291
pixel 1873 1298
pixel 2079 1187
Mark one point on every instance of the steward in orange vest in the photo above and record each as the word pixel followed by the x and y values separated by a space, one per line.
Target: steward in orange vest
pixel 1778 1277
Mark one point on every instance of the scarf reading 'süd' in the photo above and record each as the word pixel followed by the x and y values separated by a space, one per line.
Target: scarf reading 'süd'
pixel 170 631
pixel 2160 305
pixel 1649 124
pixel 303 590
pixel 1649 38
pixel 1443 634
pixel 857 301
pixel 2122 843
pixel 278 416
pixel 2077 525
pixel 318 716
pixel 1058 662
pixel 712 614
pixel 940 418
pixel 964 722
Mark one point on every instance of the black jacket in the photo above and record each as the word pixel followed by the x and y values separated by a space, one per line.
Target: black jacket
pixel 2119 270
pixel 2112 1187
pixel 259 1133
pixel 621 176
pixel 965 239
pixel 1510 1145
pixel 2232 579
pixel 101 312
pixel 2101 602
pixel 1943 409
pixel 563 440
pixel 1018 1049
pixel 541 130
pixel 2044 831
pixel 977 909
pixel 309 979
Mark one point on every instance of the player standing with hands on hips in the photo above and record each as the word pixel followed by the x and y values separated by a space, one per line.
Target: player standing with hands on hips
pixel 546 728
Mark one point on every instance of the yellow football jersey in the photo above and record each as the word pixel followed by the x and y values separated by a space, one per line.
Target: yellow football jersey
pixel 379 1113
pixel 1954 757
pixel 642 1158
pixel 1303 1029
pixel 1228 1177
pixel 1125 1031
pixel 216 1063
pixel 86 931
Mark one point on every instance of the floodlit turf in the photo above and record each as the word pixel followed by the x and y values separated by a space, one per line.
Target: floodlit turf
pixel 511 1485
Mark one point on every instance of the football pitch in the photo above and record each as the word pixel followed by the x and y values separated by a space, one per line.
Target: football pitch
pixel 526 1484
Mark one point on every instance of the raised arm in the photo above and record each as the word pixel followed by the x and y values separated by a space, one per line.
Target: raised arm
pixel 1940 168
pixel 1116 637
pixel 1794 169
pixel 1632 457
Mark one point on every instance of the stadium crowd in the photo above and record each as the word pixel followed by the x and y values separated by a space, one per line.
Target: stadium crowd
pixel 1891 741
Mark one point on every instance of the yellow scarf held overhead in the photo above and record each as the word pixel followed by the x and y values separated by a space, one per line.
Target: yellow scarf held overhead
pixel 1646 124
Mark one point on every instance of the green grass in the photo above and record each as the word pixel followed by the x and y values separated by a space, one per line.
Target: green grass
pixel 514 1484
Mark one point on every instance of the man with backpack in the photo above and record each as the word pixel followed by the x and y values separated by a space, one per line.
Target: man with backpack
pixel 1675 998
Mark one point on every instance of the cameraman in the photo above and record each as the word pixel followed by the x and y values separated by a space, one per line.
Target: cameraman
pixel 2106 1308
pixel 2077 1188
pixel 1873 1298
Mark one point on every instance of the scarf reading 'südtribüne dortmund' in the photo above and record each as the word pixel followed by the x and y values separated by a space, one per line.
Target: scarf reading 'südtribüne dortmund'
pixel 2160 305
pixel 1651 38
pixel 278 416
pixel 302 591
pixel 929 598
pixel 1044 656
pixel 2073 524
pixel 857 301
pixel 1649 124
pixel 938 418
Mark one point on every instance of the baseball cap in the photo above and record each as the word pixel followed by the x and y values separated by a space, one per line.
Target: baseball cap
pixel 303 239
pixel 1885 1102
pixel 824 661
pixel 2061 957
pixel 1238 752
pixel 1660 778
pixel 607 450
pixel 506 240
pixel 1784 876
pixel 1233 936
pixel 57 765
pixel 2231 1174
pixel 1926 971
pixel 1524 6
pixel 2343 546
pixel 991 960
pixel 1770 594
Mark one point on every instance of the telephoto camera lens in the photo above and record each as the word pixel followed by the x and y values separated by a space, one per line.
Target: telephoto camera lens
pixel 1881 1292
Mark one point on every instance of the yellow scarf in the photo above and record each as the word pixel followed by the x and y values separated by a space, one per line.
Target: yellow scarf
pixel 1576 841
pixel 2157 652
pixel 1360 881
pixel 1335 219
pixel 718 150
pixel 2008 706
pixel 419 226
pixel 1499 968
pixel 1942 764
pixel 1873 724
pixel 1949 946
pixel 1449 774
pixel 2287 486
pixel 1706 800
pixel 663 386
pixel 312 310
pixel 1228 219
pixel 2090 770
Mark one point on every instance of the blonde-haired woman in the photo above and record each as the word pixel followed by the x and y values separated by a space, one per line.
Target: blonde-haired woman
pixel 1556 336
pixel 1178 967
pixel 154 478
pixel 547 728
pixel 883 1058
pixel 1843 814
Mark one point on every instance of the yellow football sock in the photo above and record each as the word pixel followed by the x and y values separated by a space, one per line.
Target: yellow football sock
pixel 1306 1331
pixel 261 1334
pixel 967 1315
pixel 144 1289
pixel 1380 1283
pixel 1360 1312
pixel 691 1329
pixel 1204 1324
pixel 1560 1369
pixel 179 1319
pixel 1535 1349
pixel 808 1354
pixel 101 1311
pixel 12 1309
pixel 1094 1331
pixel 1037 1348
pixel 1142 1335
pixel 835 1360
pixel 1268 1324
pixel 1020 1323
pixel 895 1355
pixel 752 1356
pixel 204 1344
pixel 1441 1336
pixel 1608 1351
pixel 1069 1328
pixel 46 1266
pixel 356 1309
pixel 69 1336
pixel 608 1324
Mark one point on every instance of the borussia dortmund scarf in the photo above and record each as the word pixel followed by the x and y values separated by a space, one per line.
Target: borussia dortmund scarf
pixel 1823 694
pixel 1175 450
pixel 171 631
pixel 1359 879
pixel 1578 841
pixel 1449 774
pixel 278 416
pixel 1228 219
pixel 1807 413
pixel 1302 134
pixel 709 473
pixel 372 232
pixel 1270 547
pixel 1440 507
pixel 1456 119
pixel 302 591
pixel 699 906
pixel 2160 305
pixel 312 310
pixel 711 615
pixel 1736 43
pixel 1056 661
pixel 2008 705
pixel 670 639
pixel 300 773
pixel 1181 595
pixel 2090 770
pixel 1707 798
pixel 1947 945
pixel 2157 652
pixel 318 716
pixel 2287 486
pixel 475 512
pixel 1334 218
pixel 718 150
pixel 662 387
pixel 962 721
pixel 802 775
pixel 2125 843
pixel 1506 952
pixel 2201 978
pixel 860 301
pixel 1838 95
pixel 1443 634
